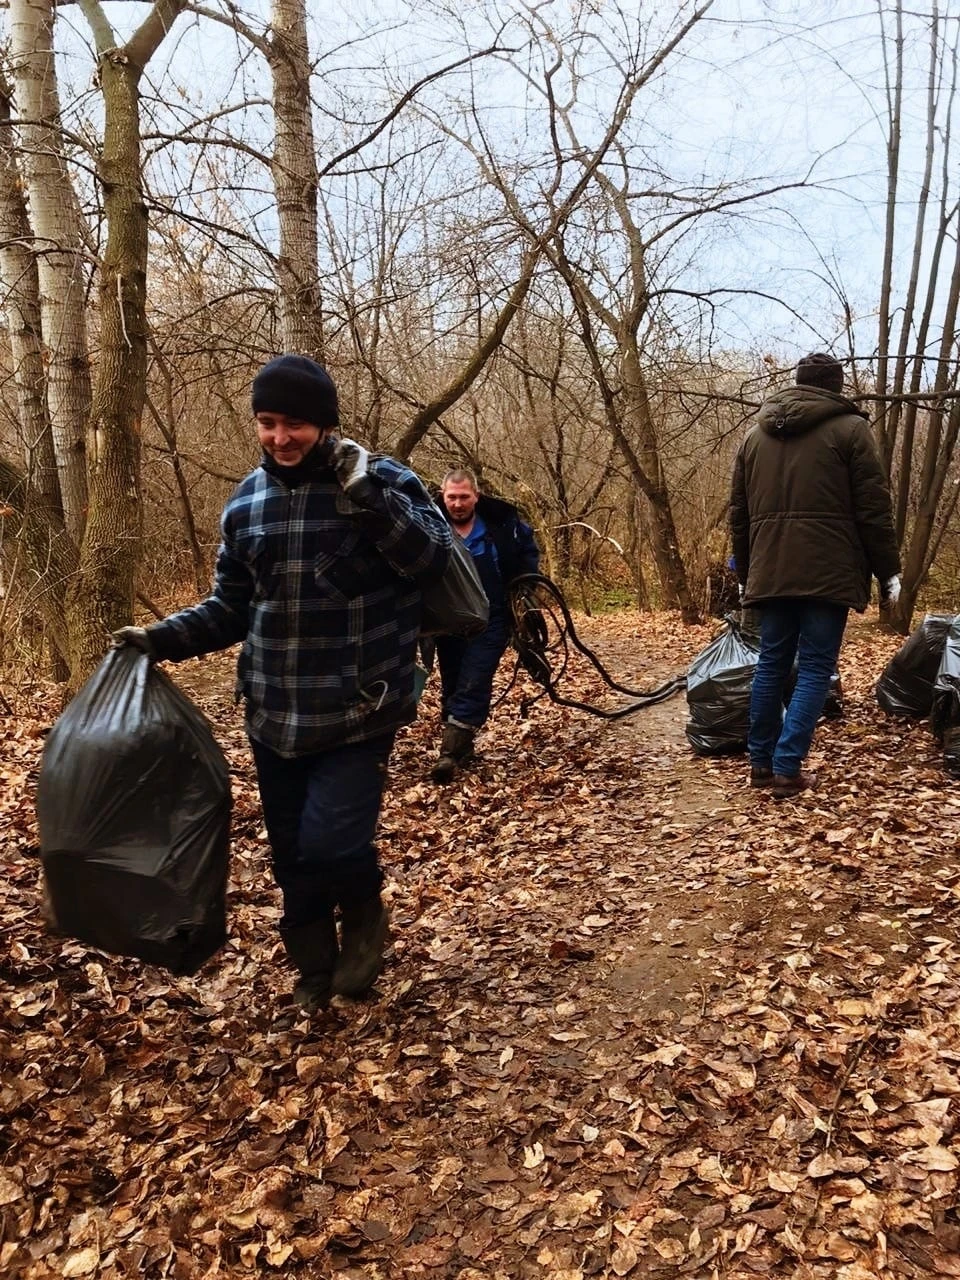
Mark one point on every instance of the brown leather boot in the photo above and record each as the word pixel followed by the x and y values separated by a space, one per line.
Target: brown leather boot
pixel 784 788
pixel 456 747
pixel 760 776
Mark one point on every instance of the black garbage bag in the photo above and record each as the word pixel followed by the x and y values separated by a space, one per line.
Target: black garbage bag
pixel 133 803
pixel 833 707
pixel 718 691
pixel 719 683
pixel 905 687
pixel 945 710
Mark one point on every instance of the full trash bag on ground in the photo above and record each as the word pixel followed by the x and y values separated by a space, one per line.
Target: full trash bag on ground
pixel 905 687
pixel 718 691
pixel 945 710
pixel 133 804
pixel 719 683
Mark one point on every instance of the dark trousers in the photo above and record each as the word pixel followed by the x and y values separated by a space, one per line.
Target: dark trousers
pixel 321 814
pixel 810 632
pixel 467 668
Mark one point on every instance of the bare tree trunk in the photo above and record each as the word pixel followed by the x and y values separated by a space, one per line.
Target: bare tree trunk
pixel 920 432
pixel 103 594
pixel 18 269
pixel 59 245
pixel 634 517
pixel 891 418
pixel 52 556
pixel 167 425
pixel 939 449
pixel 295 181
pixel 646 462
pixel 894 91
pixel 35 494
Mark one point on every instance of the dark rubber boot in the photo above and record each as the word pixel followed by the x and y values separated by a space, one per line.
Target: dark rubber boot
pixel 313 950
pixel 456 746
pixel 363 934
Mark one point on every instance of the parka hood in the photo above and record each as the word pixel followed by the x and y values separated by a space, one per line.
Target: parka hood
pixel 798 409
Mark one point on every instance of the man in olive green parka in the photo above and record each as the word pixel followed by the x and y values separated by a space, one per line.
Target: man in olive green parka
pixel 811 521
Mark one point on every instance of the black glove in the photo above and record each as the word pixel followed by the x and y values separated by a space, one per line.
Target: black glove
pixel 136 638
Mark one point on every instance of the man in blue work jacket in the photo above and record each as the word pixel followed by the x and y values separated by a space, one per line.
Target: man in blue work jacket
pixel 503 547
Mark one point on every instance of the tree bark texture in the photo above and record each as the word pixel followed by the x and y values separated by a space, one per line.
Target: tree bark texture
pixel 34 493
pixel 21 288
pixel 644 461
pixel 58 242
pixel 51 555
pixel 102 598
pixel 295 181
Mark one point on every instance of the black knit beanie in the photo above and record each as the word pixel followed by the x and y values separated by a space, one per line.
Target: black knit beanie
pixel 298 387
pixel 820 370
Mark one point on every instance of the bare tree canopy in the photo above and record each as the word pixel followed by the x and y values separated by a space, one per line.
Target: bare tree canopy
pixel 572 246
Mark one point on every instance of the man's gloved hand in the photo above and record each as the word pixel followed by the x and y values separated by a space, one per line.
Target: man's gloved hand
pixel 351 464
pixel 890 590
pixel 136 638
pixel 741 591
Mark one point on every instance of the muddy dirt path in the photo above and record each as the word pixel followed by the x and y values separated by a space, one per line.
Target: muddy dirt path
pixel 705 883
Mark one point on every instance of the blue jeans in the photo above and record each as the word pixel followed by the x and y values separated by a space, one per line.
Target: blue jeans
pixel 321 814
pixel 808 630
pixel 467 668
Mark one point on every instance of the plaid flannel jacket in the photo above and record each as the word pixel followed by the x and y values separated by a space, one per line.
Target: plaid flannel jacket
pixel 324 595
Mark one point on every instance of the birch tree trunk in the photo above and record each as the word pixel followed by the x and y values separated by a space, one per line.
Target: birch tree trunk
pixel 21 288
pixel 35 493
pixel 59 246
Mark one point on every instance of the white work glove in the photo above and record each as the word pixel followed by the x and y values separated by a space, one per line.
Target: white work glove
pixel 135 638
pixel 349 462
pixel 890 590
pixel 351 466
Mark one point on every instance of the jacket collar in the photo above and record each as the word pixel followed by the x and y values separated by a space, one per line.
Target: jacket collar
pixel 311 468
pixel 495 510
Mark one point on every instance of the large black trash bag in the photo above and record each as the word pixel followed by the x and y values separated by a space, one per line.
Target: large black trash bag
pixel 718 691
pixel 134 808
pixel 719 683
pixel 945 712
pixel 833 707
pixel 906 686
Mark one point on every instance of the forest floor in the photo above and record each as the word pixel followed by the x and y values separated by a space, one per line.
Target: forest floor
pixel 638 1019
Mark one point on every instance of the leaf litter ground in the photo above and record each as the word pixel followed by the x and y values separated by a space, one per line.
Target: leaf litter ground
pixel 638 1019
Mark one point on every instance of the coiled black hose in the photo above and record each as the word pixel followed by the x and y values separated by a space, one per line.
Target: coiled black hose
pixel 542 633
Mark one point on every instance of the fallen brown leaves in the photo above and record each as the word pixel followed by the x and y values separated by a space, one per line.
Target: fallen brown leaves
pixel 640 1020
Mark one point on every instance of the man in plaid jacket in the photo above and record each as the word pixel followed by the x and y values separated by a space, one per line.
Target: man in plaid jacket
pixel 324 551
